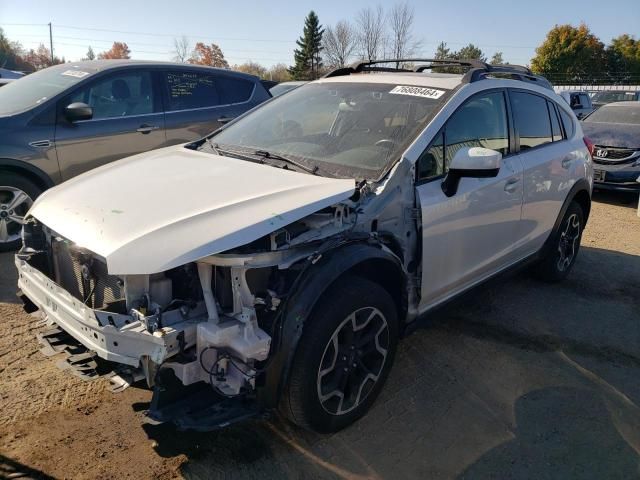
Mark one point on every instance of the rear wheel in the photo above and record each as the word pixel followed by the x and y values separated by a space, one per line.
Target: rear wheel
pixel 344 356
pixel 17 194
pixel 563 250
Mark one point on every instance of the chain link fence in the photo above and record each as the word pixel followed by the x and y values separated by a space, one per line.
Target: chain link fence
pixel 603 79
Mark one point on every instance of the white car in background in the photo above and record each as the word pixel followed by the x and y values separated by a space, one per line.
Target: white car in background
pixel 276 263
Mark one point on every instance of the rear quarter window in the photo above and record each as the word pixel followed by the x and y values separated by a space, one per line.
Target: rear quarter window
pixel 234 90
pixel 567 122
pixel 531 119
pixel 188 90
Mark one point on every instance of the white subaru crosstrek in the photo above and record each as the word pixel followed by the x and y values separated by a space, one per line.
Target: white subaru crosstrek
pixel 276 263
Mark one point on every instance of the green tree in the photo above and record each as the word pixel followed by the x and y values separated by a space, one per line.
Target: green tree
pixel 307 57
pixel 442 52
pixel 497 59
pixel 623 57
pixel 470 52
pixel 570 54
pixel 90 54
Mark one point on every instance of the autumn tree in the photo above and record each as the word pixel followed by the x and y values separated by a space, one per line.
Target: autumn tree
pixel 118 50
pixel 307 61
pixel 570 53
pixel 339 43
pixel 181 49
pixel 252 68
pixel 41 58
pixel 210 55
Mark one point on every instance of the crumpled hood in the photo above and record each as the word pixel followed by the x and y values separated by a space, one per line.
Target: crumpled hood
pixel 622 135
pixel 161 209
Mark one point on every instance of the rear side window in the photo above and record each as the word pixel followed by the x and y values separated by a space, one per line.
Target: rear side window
pixel 480 122
pixel 531 119
pixel 567 121
pixel 187 90
pixel 234 90
pixel 555 123
pixel 584 100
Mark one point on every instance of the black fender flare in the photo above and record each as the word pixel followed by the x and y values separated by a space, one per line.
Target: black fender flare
pixel 18 166
pixel 313 282
pixel 581 187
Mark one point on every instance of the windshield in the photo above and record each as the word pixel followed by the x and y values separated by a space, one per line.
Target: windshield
pixel 284 88
pixel 616 114
pixel 38 87
pixel 610 97
pixel 345 130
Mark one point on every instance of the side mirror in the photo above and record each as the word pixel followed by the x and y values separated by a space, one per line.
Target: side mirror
pixel 474 162
pixel 78 111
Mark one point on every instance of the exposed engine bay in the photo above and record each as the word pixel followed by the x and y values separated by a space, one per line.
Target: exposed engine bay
pixel 217 320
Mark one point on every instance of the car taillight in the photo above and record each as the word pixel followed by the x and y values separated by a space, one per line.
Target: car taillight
pixel 590 145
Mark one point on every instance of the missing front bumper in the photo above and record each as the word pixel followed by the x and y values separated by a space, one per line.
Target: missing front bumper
pixel 113 337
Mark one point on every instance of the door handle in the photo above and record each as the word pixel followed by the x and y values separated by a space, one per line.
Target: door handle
pixel 147 128
pixel 224 120
pixel 511 185
pixel 566 163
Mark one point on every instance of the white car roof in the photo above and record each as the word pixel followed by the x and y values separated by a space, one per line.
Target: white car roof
pixel 436 80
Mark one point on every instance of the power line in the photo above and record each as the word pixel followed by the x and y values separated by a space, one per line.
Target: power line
pixel 170 34
pixel 94 41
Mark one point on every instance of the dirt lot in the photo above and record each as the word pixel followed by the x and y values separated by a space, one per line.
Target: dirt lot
pixel 517 380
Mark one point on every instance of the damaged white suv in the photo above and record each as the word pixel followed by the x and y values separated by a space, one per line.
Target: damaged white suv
pixel 276 263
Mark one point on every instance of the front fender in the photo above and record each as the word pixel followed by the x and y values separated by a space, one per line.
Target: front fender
pixel 310 287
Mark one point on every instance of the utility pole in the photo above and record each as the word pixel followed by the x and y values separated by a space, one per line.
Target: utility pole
pixel 51 42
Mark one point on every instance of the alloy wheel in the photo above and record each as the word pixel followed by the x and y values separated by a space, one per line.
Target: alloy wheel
pixel 569 242
pixel 353 361
pixel 14 204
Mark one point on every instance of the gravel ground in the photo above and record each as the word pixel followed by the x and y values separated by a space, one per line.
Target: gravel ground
pixel 516 380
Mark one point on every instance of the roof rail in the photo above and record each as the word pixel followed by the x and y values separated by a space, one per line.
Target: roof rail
pixel 477 69
pixel 370 66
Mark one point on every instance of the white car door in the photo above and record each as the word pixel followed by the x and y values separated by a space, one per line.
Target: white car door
pixel 548 162
pixel 476 231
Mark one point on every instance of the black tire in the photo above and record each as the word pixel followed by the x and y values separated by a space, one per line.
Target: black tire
pixel 301 399
pixel 16 181
pixel 556 263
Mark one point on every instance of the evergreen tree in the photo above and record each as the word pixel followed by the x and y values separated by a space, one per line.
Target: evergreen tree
pixel 442 53
pixel 307 57
pixel 497 59
pixel 90 54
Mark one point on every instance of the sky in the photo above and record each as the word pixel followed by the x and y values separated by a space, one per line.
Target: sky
pixel 265 31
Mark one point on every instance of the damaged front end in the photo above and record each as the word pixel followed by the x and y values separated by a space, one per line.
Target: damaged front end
pixel 211 336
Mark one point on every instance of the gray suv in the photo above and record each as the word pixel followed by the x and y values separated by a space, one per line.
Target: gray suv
pixel 67 119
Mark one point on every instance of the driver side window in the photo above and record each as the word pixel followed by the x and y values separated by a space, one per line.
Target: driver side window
pixel 118 95
pixel 480 122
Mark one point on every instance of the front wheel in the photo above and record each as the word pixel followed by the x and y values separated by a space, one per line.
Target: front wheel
pixel 563 249
pixel 17 194
pixel 344 356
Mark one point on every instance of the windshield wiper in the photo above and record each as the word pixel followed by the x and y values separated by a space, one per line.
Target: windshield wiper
pixel 275 156
pixel 233 153
pixel 214 146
